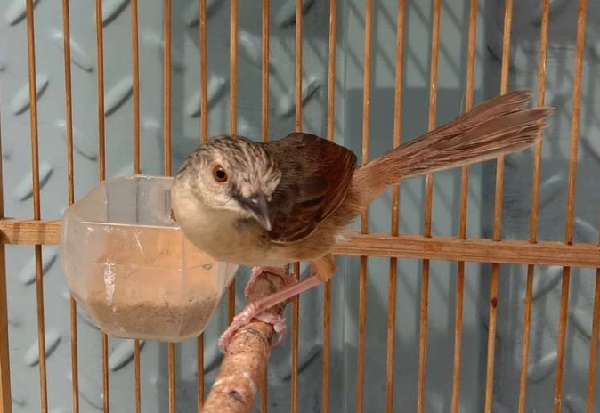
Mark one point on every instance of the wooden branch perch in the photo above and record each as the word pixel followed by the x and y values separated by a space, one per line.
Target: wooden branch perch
pixel 244 364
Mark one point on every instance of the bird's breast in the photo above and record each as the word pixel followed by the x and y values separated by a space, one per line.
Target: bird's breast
pixel 225 237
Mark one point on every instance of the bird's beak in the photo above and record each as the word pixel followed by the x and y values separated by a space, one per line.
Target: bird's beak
pixel 257 205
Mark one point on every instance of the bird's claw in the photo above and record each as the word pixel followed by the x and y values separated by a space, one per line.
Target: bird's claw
pixel 239 321
pixel 250 312
pixel 245 317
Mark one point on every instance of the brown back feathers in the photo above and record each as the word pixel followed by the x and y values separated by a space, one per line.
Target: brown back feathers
pixel 315 176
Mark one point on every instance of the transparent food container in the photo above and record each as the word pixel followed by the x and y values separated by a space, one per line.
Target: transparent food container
pixel 130 267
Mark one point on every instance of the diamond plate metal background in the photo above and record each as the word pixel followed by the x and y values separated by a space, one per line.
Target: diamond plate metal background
pixel 14 107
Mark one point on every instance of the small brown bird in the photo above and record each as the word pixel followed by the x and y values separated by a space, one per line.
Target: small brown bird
pixel 275 203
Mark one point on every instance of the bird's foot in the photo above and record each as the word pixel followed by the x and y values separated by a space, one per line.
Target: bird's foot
pixel 245 317
pixel 253 312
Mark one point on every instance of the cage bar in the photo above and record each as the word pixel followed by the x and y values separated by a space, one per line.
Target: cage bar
pixel 294 341
pixel 438 248
pixel 171 376
pixel 233 69
pixel 71 193
pixel 266 18
pixel 200 369
pixel 203 138
pixel 167 96
pixel 508 14
pixel 493 317
pixel 299 65
pixel 105 375
pixel 233 93
pixel 135 51
pixel 535 193
pixel 392 282
pixel 35 170
pixel 68 101
pixel 296 299
pixel 564 302
pixel 266 55
pixel 591 391
pixel 102 177
pixel 462 219
pixel 100 88
pixel 331 68
pixel 364 219
pixel 203 73
pixel 437 7
pixel 5 384
pixel 167 87
pixel 137 374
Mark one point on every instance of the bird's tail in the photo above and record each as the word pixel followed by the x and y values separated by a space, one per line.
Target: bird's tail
pixel 491 129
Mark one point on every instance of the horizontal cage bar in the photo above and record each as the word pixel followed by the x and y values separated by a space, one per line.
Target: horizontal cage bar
pixel 47 232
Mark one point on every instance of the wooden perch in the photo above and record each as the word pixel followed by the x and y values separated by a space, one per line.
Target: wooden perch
pixel 244 364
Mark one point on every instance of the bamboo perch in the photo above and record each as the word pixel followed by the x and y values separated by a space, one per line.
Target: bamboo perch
pixel 245 362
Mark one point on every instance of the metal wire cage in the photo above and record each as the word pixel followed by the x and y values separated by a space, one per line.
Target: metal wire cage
pixel 498 312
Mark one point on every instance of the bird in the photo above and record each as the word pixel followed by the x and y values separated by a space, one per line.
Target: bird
pixel 271 204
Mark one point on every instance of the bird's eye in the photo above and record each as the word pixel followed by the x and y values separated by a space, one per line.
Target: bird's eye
pixel 219 174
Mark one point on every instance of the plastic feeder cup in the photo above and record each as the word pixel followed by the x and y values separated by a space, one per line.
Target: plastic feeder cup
pixel 130 267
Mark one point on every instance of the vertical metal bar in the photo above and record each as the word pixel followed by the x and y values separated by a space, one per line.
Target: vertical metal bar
pixel 564 302
pixel 203 72
pixel 391 322
pixel 298 65
pixel 497 219
pixel 594 345
pixel 135 49
pixel 200 369
pixel 296 299
pixel 233 62
pixel 136 170
pixel 39 290
pixel 266 18
pixel 100 86
pixel 68 104
pixel 102 177
pixel 105 382
pixel 171 373
pixel 462 221
pixel 428 208
pixel 5 385
pixel 137 375
pixel 362 298
pixel 294 363
pixel 168 169
pixel 330 136
pixel 233 67
pixel 71 191
pixel 535 196
pixel 203 138
pixel 167 87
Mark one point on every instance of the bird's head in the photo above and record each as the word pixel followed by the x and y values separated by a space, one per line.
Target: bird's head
pixel 232 173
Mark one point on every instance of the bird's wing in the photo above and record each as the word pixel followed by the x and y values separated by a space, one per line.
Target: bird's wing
pixel 315 176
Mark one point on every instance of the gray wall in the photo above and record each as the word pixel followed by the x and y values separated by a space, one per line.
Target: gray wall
pixel 451 89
